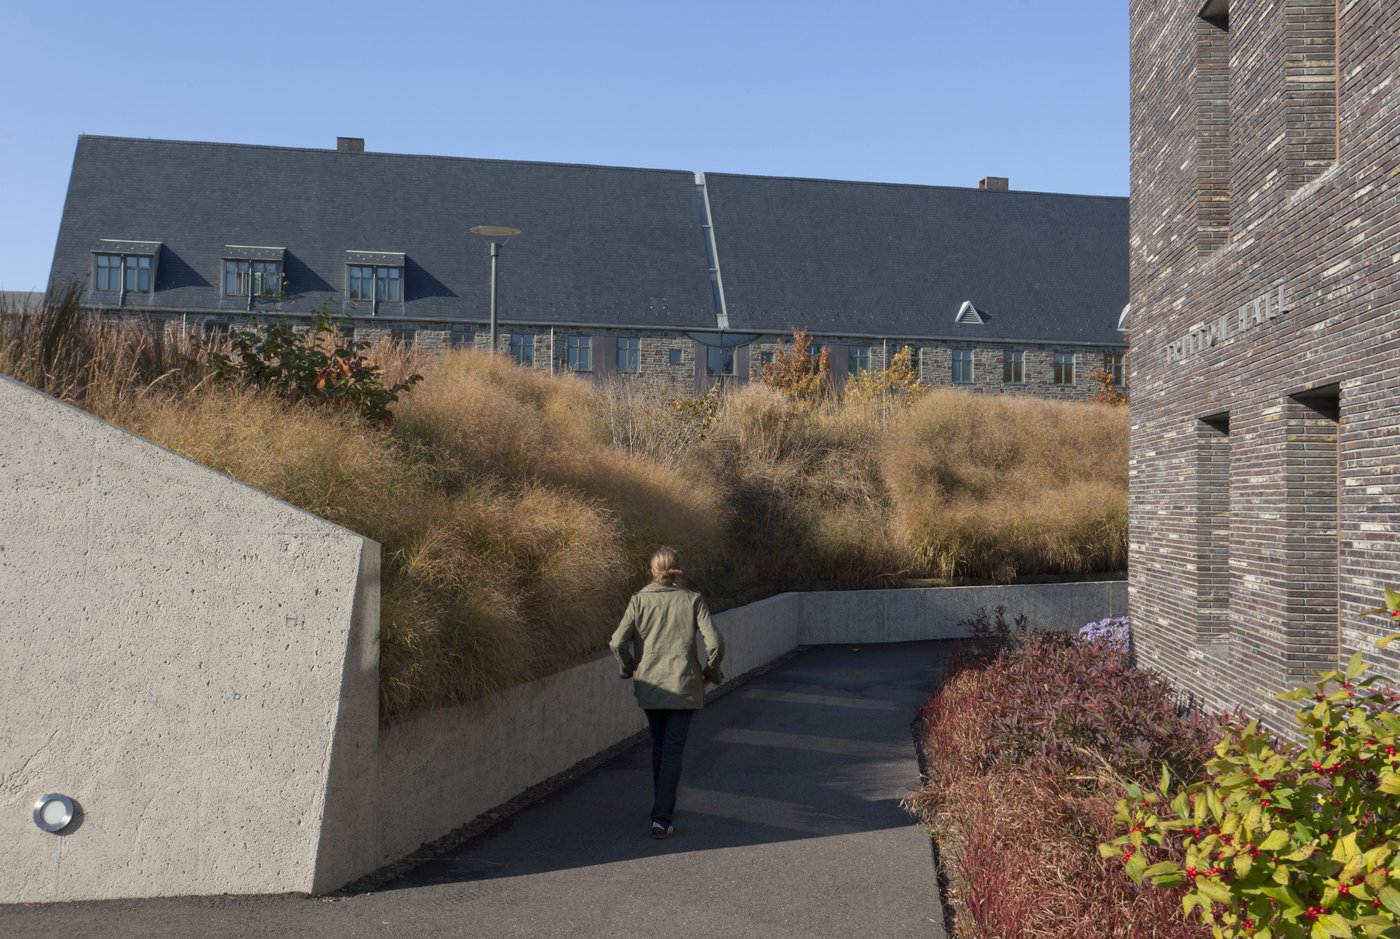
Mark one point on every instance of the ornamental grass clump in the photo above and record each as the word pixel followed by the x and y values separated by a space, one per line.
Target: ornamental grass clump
pixel 1284 838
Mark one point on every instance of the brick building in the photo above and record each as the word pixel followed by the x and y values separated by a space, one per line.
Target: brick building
pixel 1265 328
pixel 684 278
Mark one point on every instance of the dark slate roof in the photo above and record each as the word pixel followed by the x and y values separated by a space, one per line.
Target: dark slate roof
pixel 600 244
pixel 893 260
pixel 608 246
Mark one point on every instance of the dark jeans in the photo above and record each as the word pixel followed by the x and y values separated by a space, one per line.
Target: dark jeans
pixel 668 731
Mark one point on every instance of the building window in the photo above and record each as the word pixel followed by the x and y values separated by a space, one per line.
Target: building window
pixel 962 366
pixel 1013 367
pixel 522 348
pixel 388 284
pixel 1064 368
pixel 814 353
pixel 1114 363
pixel 109 272
pixel 719 360
pixel 403 335
pixel 382 284
pixel 629 354
pixel 252 278
pixel 580 353
pixel 858 359
pixel 674 357
pixel 462 336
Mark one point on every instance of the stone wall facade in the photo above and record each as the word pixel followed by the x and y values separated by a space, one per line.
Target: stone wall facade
pixel 1265 334
pixel 680 366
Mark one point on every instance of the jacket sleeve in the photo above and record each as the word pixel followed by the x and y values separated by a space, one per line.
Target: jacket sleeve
pixel 623 638
pixel 714 643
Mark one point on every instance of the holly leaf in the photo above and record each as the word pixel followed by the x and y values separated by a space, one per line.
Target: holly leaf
pixel 1390 898
pixel 1275 840
pixel 1356 666
pixel 1390 783
pixel 1333 925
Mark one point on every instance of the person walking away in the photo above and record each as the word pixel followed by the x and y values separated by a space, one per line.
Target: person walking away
pixel 655 645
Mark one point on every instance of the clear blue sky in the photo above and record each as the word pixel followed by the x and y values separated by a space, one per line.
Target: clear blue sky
pixel 940 91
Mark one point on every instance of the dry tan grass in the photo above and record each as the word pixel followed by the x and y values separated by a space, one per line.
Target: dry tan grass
pixel 515 520
pixel 994 487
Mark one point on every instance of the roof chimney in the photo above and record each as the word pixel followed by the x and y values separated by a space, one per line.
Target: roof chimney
pixel 350 144
pixel 999 183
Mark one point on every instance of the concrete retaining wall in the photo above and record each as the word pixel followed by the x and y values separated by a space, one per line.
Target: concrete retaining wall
pixel 176 651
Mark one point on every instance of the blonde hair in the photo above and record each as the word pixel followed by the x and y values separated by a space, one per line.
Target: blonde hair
pixel 665 566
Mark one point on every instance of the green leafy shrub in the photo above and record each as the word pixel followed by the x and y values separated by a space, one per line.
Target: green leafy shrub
pixel 1285 839
pixel 322 365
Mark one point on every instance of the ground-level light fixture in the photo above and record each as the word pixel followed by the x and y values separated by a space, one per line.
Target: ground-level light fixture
pixel 53 812
pixel 495 236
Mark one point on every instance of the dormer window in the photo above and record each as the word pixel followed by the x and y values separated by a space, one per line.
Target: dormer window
pixel 968 315
pixel 251 271
pixel 124 267
pixel 374 277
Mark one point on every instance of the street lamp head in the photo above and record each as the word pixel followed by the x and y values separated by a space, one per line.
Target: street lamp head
pixel 495 233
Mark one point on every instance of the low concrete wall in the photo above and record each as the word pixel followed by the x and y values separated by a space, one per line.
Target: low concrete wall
pixel 193 661
pixel 459 763
pixel 847 616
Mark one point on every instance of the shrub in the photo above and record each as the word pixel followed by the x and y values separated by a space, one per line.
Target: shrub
pixel 890 389
pixel 1285 839
pixel 322 365
pixel 796 372
pixel 1023 759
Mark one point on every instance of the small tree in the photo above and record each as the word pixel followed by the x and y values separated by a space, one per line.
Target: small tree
pixel 895 385
pixel 796 372
pixel 1109 391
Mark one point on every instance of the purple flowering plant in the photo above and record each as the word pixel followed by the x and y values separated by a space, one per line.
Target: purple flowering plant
pixel 1112 631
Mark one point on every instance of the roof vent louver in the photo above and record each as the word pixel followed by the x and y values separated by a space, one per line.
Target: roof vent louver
pixel 968 315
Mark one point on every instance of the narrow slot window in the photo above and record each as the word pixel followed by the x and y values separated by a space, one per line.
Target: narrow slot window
pixel 1213 126
pixel 1311 539
pixel 1213 529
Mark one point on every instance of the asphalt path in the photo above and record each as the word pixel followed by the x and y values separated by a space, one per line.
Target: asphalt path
pixel 788 825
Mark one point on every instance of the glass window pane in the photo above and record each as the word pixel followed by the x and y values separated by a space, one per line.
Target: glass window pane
pixel 719 361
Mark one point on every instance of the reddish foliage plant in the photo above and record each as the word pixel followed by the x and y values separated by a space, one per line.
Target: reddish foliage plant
pixel 1025 757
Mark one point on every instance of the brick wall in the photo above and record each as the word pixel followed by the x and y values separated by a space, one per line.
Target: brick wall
pixel 1302 510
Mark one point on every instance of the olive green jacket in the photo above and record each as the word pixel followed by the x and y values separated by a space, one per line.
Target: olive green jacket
pixel 655 645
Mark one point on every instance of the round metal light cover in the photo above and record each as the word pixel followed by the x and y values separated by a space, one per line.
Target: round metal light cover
pixel 495 231
pixel 53 812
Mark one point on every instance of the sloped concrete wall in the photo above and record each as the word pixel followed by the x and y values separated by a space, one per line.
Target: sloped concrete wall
pixel 176 648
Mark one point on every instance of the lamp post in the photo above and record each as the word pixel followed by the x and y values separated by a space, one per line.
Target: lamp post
pixel 495 236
